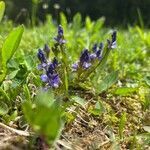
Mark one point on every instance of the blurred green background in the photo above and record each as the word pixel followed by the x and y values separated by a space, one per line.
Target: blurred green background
pixel 117 12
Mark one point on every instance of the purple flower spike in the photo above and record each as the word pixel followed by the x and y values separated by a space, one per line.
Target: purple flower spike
pixel 85 57
pixel 60 37
pixel 60 30
pixel 41 56
pixel 46 49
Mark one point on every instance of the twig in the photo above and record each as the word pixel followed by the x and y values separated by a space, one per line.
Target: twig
pixel 65 144
pixel 104 143
pixel 19 132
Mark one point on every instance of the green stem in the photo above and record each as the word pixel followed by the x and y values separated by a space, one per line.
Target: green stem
pixel 65 68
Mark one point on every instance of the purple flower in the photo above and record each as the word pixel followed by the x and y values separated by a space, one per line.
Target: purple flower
pixel 60 30
pixel 93 56
pixel 86 65
pixel 41 56
pixel 60 36
pixel 44 78
pixel 85 57
pixel 60 40
pixel 54 81
pixel 94 48
pixel 51 76
pixel 75 66
pixel 101 45
pixel 51 69
pixel 52 66
pixel 112 43
pixel 98 54
pixel 114 36
pixel 42 66
pixel 46 49
pixel 97 51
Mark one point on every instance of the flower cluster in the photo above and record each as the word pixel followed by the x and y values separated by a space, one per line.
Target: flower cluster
pixel 51 76
pixel 87 58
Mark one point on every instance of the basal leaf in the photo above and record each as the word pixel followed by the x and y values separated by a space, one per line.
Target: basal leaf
pixel 124 91
pixel 98 109
pixel 9 47
pixel 78 100
pixel 4 95
pixel 44 118
pixel 3 108
pixel 107 82
pixel 11 44
pixel 2 9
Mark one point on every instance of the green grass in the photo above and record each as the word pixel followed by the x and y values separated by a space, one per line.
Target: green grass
pixel 120 112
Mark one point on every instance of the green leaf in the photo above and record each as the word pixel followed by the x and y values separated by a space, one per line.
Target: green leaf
pixel 147 80
pixel 78 100
pixel 122 124
pixel 99 24
pixel 4 95
pixel 2 9
pixel 44 117
pixel 11 44
pixel 124 91
pixel 88 23
pixel 9 47
pixel 77 20
pixel 27 92
pixel 107 82
pixel 98 109
pixel 3 108
pixel 63 20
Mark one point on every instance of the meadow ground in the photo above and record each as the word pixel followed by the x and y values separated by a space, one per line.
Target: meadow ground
pixel 104 116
